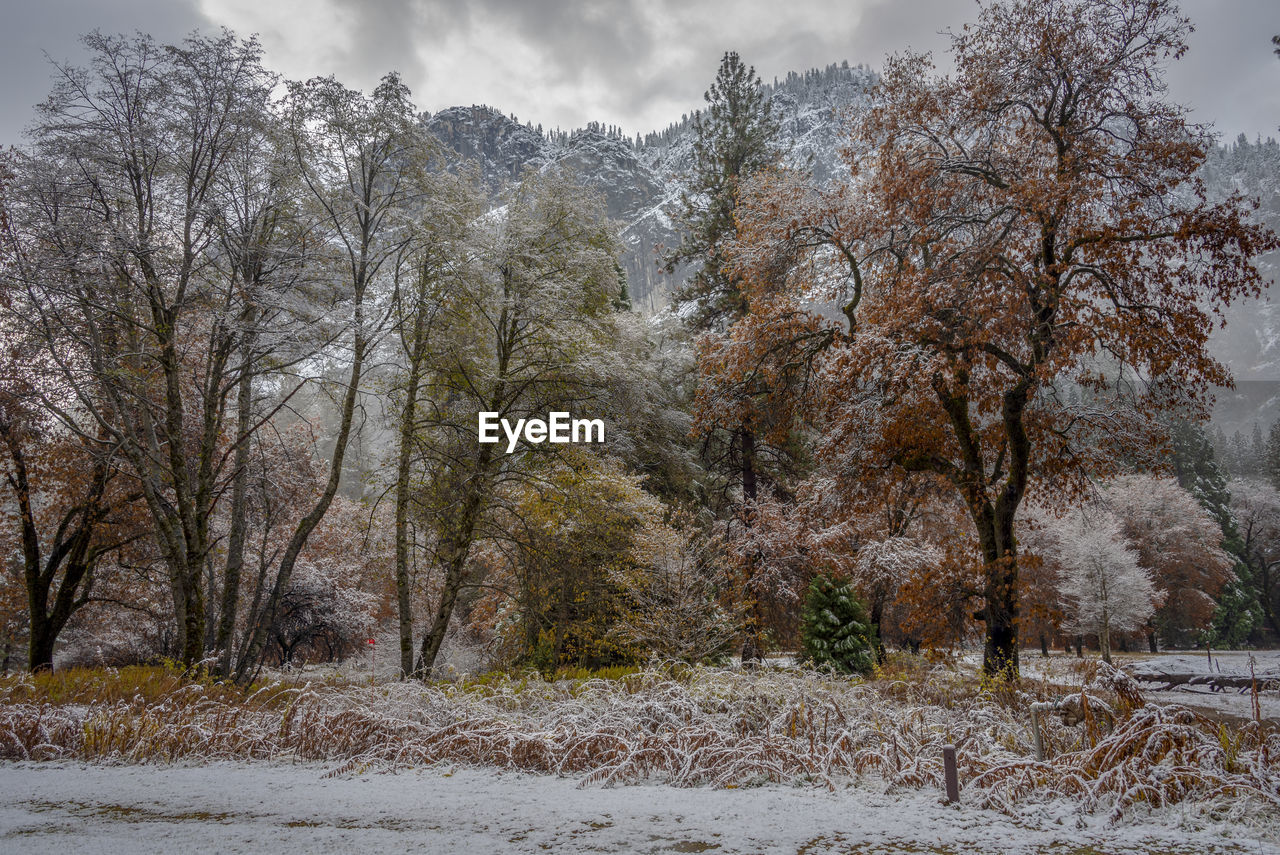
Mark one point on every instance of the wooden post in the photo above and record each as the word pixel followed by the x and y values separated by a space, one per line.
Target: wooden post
pixel 1036 738
pixel 949 772
pixel 1035 732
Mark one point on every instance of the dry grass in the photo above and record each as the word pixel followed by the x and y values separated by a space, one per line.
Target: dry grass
pixel 687 726
pixel 148 684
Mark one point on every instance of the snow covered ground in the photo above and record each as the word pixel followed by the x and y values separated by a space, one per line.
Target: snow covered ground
pixel 1065 669
pixel 271 807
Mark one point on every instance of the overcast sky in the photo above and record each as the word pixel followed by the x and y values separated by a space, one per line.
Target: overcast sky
pixel 638 64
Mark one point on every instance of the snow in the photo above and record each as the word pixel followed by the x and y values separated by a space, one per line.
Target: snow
pixel 1231 662
pixel 1266 664
pixel 229 807
pixel 1063 669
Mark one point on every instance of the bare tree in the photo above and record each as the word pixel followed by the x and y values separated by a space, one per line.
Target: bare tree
pixel 119 192
pixel 362 159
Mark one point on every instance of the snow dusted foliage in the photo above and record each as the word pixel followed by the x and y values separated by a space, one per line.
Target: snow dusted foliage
pixel 911 560
pixel 318 611
pixel 674 592
pixel 329 607
pixel 1105 588
pixel 1256 505
pixel 691 727
pixel 1180 543
pixel 881 566
pixel 781 548
pixel 791 540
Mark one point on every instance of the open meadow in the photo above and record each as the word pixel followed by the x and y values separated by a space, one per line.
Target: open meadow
pixel 667 758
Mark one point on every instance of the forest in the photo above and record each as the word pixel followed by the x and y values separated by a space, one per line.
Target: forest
pixel 961 389
pixel 910 478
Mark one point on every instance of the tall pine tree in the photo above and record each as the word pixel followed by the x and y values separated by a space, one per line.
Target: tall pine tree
pixel 1272 461
pixel 733 138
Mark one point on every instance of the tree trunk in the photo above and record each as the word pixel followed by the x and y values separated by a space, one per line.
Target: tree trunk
pixel 457 550
pixel 308 523
pixel 193 629
pixel 1044 645
pixel 70 554
pixel 213 600
pixel 992 512
pixel 877 615
pixel 191 497
pixel 1000 657
pixel 1266 595
pixel 455 568
pixel 754 648
pixel 224 643
pixel 561 627
pixel 403 463
pixel 40 647
pixel 1000 607
pixel 1104 636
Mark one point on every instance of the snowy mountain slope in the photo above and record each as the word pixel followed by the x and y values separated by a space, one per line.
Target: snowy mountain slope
pixel 642 179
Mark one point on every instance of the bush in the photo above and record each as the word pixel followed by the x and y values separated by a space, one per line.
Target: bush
pixel 835 631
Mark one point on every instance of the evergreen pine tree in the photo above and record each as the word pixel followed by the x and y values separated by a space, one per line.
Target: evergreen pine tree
pixel 834 628
pixel 1237 461
pixel 734 137
pixel 1237 613
pixel 1272 460
pixel 1199 474
pixel 1257 453
pixel 1220 446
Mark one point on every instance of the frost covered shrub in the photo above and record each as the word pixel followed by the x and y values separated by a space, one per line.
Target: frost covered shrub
pixel 674 586
pixel 679 724
pixel 322 615
pixel 834 628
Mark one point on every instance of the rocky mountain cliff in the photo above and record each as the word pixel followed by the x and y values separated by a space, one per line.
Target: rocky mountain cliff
pixel 1250 341
pixel 642 178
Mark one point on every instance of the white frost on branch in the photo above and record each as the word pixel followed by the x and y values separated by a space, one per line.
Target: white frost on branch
pixel 1104 586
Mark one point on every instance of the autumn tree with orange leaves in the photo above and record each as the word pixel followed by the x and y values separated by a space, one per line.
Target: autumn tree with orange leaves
pixel 1031 223
pixel 1181 543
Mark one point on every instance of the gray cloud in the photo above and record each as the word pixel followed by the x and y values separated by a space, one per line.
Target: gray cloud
pixel 637 64
pixel 384 36
pixel 32 30
pixel 1230 76
pixel 597 38
pixel 889 27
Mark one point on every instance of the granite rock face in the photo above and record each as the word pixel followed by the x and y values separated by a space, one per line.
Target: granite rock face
pixel 642 178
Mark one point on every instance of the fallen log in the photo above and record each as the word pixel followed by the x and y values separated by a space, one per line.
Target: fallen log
pixel 1215 682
